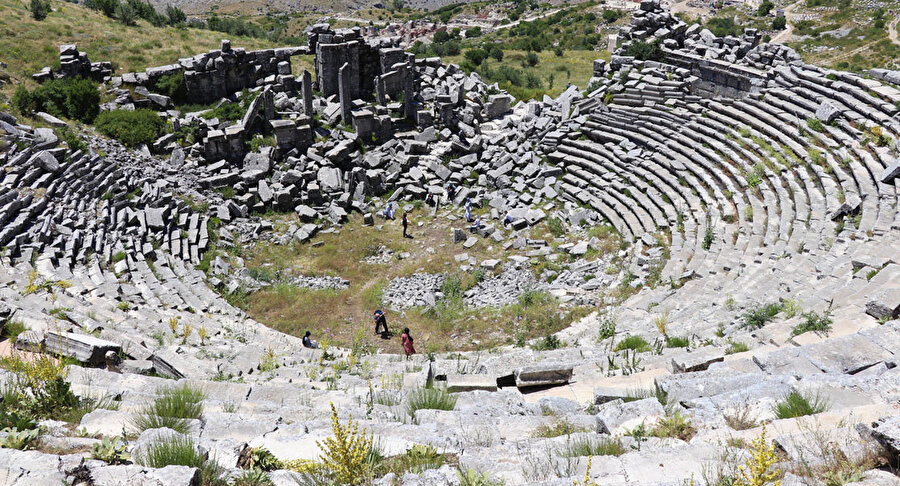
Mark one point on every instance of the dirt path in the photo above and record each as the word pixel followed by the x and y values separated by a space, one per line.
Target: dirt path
pixel 788 32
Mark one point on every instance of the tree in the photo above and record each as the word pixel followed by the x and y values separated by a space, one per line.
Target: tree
pixel 175 15
pixel 108 7
pixel 397 5
pixel 441 36
pixel 496 53
pixel 126 14
pixel 779 23
pixel 476 56
pixel 764 8
pixel 531 59
pixel 473 32
pixel 40 9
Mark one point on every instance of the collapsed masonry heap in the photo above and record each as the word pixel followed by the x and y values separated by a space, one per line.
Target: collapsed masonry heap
pixel 760 204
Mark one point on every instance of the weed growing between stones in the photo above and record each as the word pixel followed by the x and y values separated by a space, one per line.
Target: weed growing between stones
pixel 823 458
pixel 558 428
pixel 797 404
pixel 180 450
pixel 675 426
pixel 173 408
pixel 110 451
pixel 434 398
pixel 584 446
pixel 254 477
pixel 471 477
pixel 759 469
pixel 21 440
pixel 634 343
pixel 814 322
pixel 759 315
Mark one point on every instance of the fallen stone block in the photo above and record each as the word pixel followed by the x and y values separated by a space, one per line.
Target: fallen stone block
pixel 542 375
pixel 462 383
pixel 697 360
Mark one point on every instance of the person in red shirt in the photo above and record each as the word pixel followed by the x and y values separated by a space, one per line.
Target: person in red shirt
pixel 407 341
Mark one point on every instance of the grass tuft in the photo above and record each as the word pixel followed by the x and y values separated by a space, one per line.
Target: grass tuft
pixel 173 408
pixel 797 404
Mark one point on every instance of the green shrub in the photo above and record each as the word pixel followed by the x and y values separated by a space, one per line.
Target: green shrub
pixel 10 419
pixel 172 85
pixel 132 128
pixel 226 111
pixel 815 322
pixel 40 9
pixel 74 98
pixel 476 56
pixel 758 316
pixel 634 343
pixel 173 408
pixel 555 226
pixel 724 26
pixel 779 23
pixel 435 398
pixel 611 15
pixel 531 59
pixel 645 51
pixel 796 404
pixel 558 428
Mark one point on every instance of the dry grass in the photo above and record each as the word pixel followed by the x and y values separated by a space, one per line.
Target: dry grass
pixel 336 316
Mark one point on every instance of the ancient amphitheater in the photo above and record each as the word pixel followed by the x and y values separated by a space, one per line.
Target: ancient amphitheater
pixel 770 184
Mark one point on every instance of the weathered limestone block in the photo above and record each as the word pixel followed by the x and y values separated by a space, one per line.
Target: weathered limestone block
pixel 541 375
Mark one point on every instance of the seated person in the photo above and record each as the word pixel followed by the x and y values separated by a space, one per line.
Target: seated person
pixel 476 226
pixel 308 342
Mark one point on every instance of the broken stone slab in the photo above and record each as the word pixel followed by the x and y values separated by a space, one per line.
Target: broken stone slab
pixel 83 347
pixel 618 415
pixel 884 304
pixel 886 431
pixel 464 383
pixel 890 172
pixel 697 360
pixel 543 375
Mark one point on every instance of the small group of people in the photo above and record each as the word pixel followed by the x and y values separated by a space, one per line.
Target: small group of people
pixel 381 327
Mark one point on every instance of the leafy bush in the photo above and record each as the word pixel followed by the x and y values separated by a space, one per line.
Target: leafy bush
pixel 435 398
pixel 132 128
pixel 40 9
pixel 175 15
pixel 815 322
pixel 611 15
pixel 126 14
pixel 779 23
pixel 495 53
pixel 555 226
pixel 796 404
pixel 226 111
pixel 38 390
pixel 172 85
pixel 476 56
pixel 634 343
pixel 473 32
pixel 14 420
pixel 724 26
pixel 764 8
pixel 531 59
pixel 758 316
pixel 74 98
pixel 645 51
pixel 173 408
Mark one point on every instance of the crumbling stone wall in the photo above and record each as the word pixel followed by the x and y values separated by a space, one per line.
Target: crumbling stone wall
pixel 365 59
pixel 74 64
